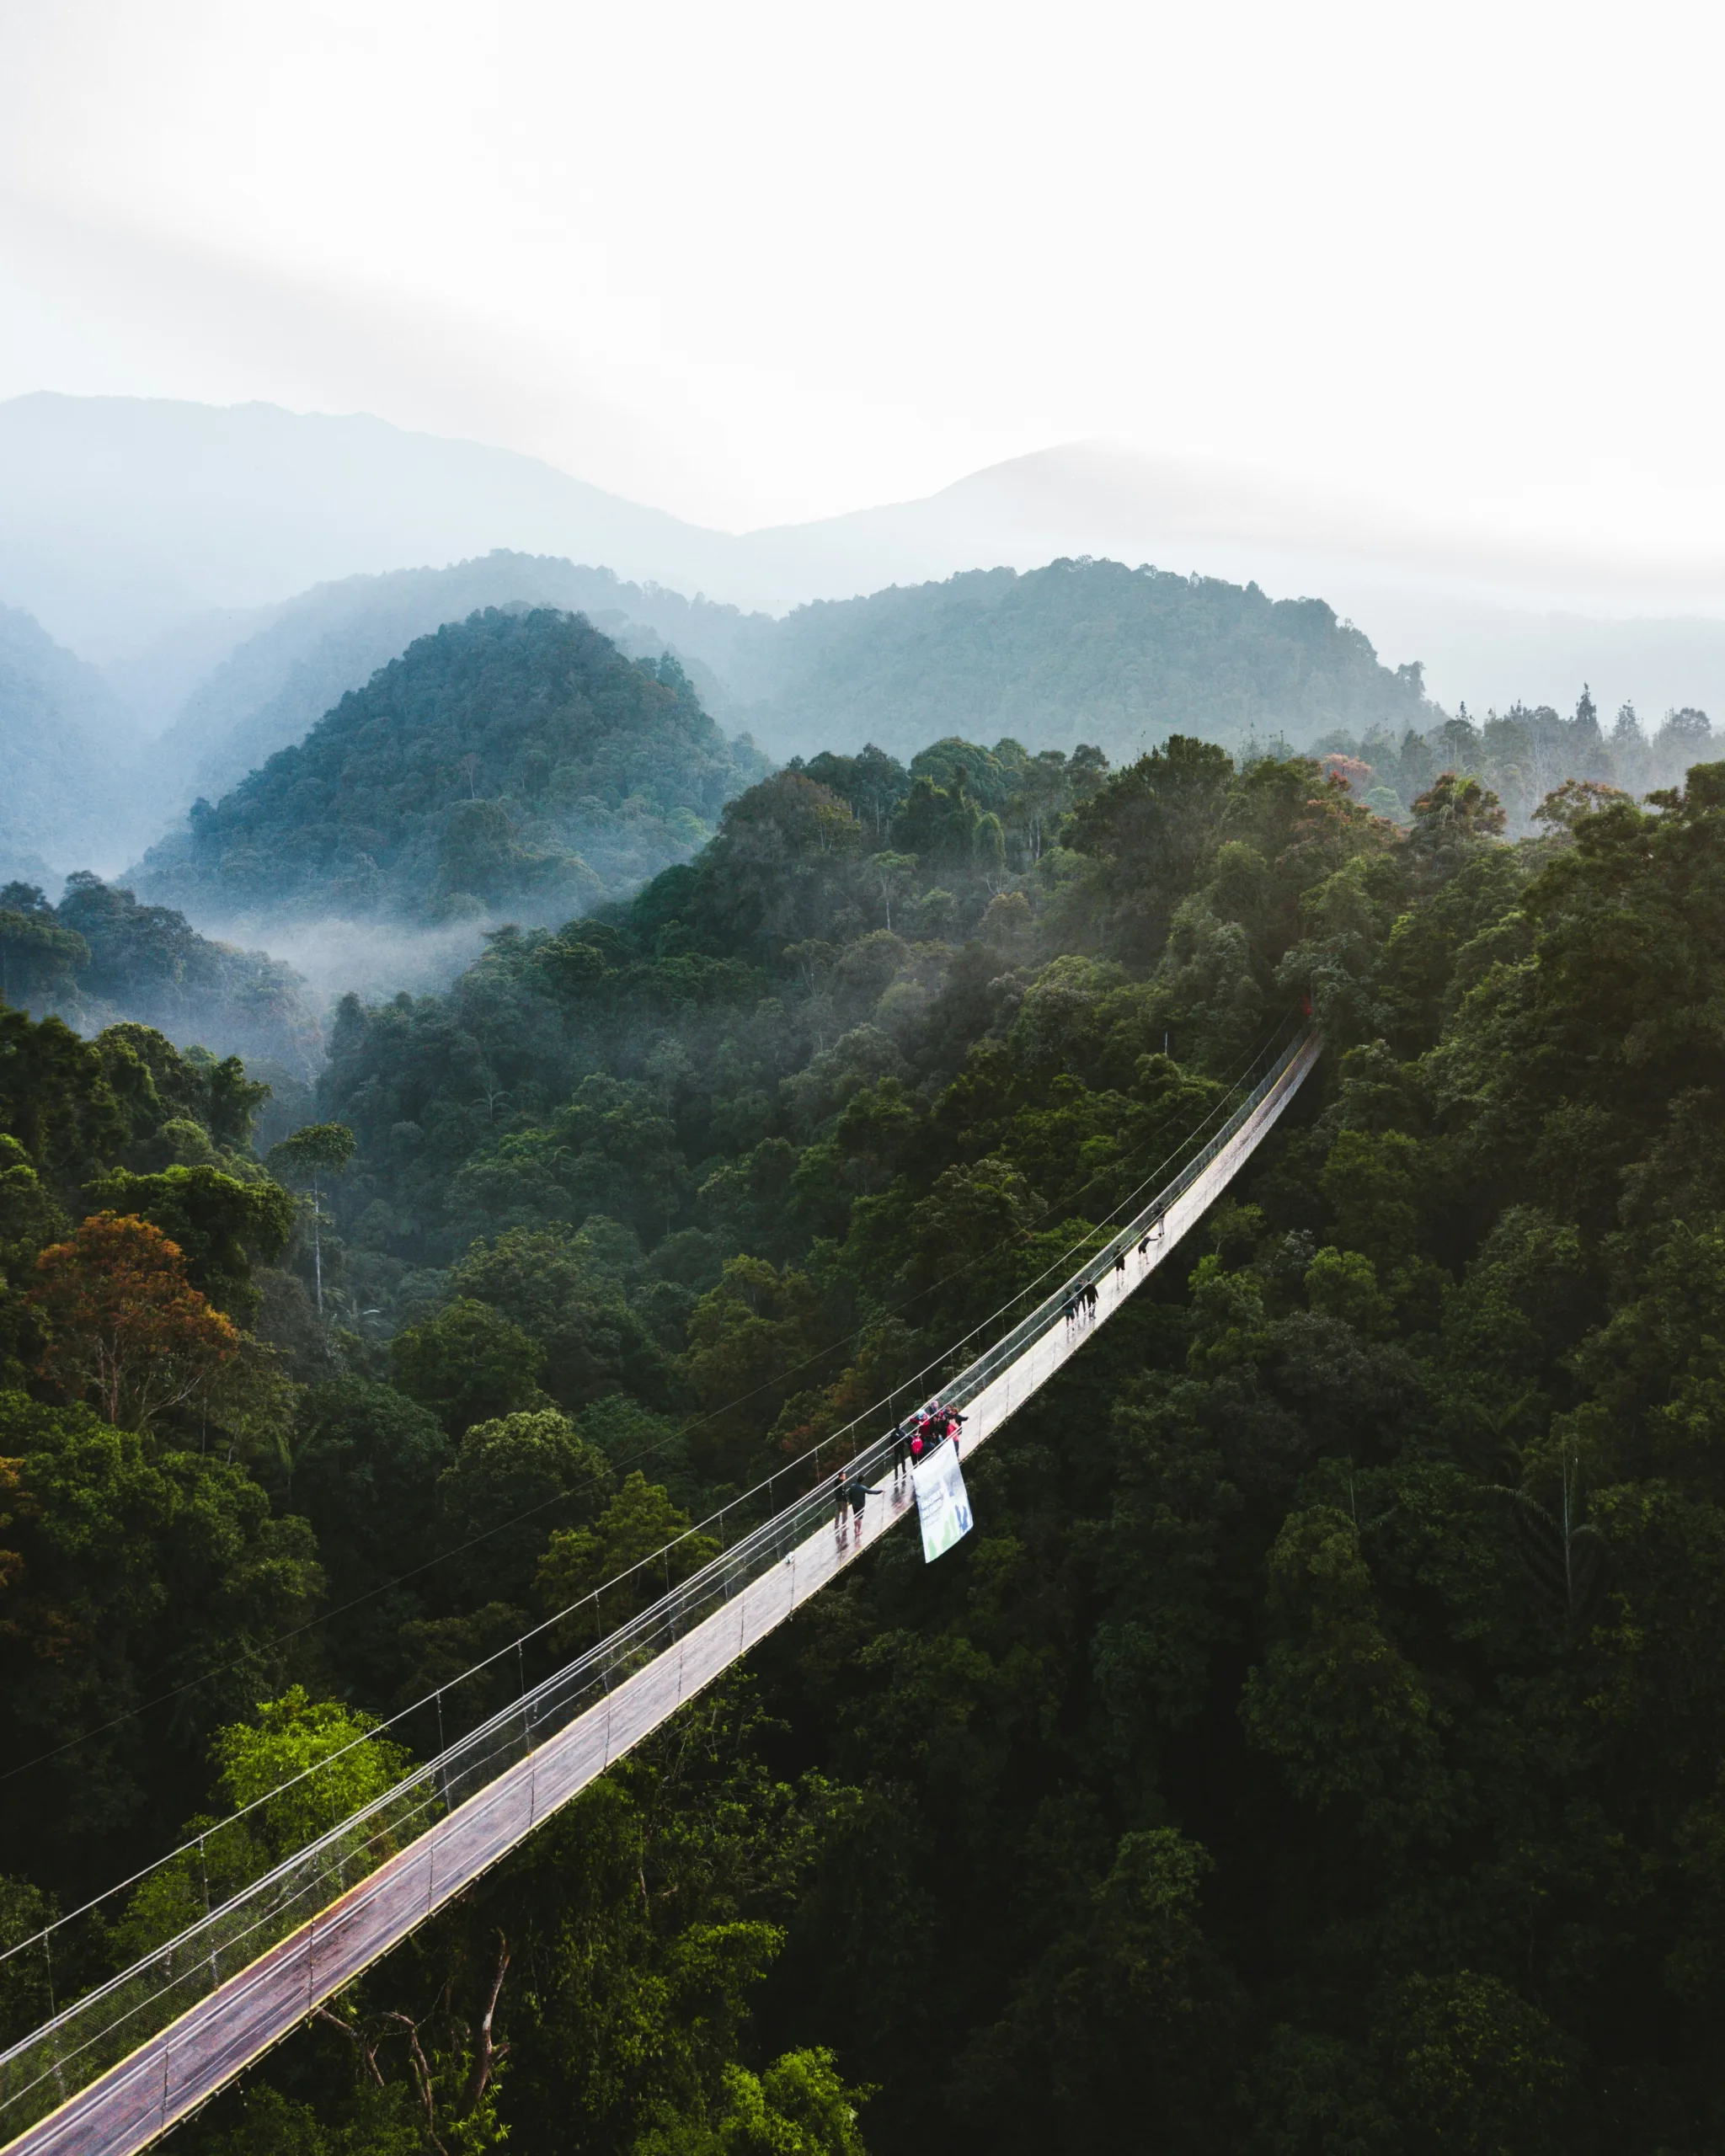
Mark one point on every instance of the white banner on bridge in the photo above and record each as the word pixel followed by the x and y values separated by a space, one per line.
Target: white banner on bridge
pixel 942 1503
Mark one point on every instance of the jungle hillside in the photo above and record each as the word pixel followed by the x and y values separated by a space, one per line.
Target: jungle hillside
pixel 1313 1748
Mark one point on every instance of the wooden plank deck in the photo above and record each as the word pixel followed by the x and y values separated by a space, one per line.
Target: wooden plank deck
pixel 173 2073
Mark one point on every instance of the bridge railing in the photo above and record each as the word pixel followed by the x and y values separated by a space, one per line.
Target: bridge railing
pixel 982 1372
pixel 94 2033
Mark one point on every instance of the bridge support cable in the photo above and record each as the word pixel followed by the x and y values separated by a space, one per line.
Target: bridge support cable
pixel 116 2069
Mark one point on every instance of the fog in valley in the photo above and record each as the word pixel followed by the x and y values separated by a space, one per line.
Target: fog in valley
pixel 335 957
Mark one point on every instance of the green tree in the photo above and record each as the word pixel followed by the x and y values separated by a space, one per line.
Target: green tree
pixel 467 1365
pixel 316 1155
pixel 283 1781
pixel 640 1526
pixel 40 960
pixel 1474 2066
pixel 798 2106
pixel 26 1996
pixel 222 1226
pixel 751 1342
pixel 365 1465
pixel 552 1285
pixel 512 1481
pixel 55 1097
pixel 136 1576
pixel 1121 2018
pixel 1347 1715
pixel 936 824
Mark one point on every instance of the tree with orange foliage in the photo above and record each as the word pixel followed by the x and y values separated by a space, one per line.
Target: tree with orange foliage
pixel 125 1327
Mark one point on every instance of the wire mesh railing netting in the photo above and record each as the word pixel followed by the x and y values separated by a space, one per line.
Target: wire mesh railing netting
pixel 81 2042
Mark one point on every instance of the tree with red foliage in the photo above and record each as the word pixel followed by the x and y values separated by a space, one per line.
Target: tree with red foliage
pixel 125 1327
pixel 1356 775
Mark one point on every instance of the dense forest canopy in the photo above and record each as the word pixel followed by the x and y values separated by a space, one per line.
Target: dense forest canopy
pixel 1317 1745
pixel 515 762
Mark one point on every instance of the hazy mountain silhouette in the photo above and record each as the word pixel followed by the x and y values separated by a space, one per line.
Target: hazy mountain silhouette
pixel 122 518
pixel 65 744
pixel 148 535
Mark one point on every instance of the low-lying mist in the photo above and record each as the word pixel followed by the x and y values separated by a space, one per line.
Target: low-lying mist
pixel 371 959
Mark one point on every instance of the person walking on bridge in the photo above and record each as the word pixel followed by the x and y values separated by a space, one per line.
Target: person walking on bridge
pixel 859 1494
pixel 901 1449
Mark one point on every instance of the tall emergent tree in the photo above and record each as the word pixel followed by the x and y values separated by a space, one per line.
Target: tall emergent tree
pixel 313 1157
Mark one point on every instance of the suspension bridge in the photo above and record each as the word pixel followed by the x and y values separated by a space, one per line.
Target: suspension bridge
pixel 115 2069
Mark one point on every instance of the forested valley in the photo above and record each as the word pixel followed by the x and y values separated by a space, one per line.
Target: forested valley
pixel 1312 1749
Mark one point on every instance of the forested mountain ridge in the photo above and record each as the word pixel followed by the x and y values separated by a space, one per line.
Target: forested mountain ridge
pixel 1318 1744
pixel 513 762
pixel 1079 651
pixel 270 691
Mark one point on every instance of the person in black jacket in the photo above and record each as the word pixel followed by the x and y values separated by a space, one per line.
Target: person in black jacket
pixel 860 1493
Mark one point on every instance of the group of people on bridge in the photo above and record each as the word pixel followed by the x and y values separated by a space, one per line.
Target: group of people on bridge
pixel 920 1432
pixel 1081 1305
pixel 913 1439
pixel 926 1427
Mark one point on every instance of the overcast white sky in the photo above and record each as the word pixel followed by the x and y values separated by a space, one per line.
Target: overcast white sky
pixel 763 262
